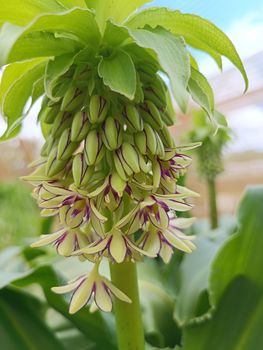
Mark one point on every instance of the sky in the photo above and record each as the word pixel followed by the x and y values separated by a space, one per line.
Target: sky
pixel 242 20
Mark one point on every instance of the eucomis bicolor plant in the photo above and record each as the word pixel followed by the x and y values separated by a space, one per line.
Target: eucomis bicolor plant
pixel 109 166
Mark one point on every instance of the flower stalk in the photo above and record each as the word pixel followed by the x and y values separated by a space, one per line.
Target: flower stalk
pixel 213 213
pixel 128 316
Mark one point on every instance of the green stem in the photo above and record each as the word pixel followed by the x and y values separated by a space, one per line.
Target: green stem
pixel 212 203
pixel 128 316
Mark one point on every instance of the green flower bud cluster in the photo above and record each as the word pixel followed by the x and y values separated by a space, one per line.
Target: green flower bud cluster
pixel 210 162
pixel 210 153
pixel 109 169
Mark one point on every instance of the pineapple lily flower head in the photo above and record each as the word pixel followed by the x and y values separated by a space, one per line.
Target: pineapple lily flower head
pixel 109 167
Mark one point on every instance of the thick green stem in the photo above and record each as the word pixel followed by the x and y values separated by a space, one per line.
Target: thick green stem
pixel 128 316
pixel 212 203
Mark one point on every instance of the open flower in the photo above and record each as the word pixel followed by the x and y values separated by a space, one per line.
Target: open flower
pixel 115 245
pixel 157 210
pixel 91 285
pixel 167 169
pixel 66 241
pixel 111 191
pixel 162 242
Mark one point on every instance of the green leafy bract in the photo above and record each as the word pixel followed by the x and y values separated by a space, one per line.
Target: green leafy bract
pixel 118 72
pixel 17 85
pixel 21 323
pixel 197 32
pixel 172 55
pixel 49 35
pixel 201 92
pixel 56 68
pixel 21 12
pixel 118 10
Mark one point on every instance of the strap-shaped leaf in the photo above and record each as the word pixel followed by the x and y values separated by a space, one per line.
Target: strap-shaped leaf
pixel 173 58
pixel 236 322
pixel 118 72
pixel 15 95
pixel 22 322
pixel 70 28
pixel 197 31
pixel 201 91
pixel 236 286
pixel 118 10
pixel 21 12
pixel 242 254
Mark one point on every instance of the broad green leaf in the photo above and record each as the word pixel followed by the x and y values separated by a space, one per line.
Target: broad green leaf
pixel 21 12
pixel 236 323
pixel 75 28
pixel 56 68
pixel 7 135
pixel 21 324
pixel 236 286
pixel 118 72
pixel 20 91
pixel 194 274
pixel 72 3
pixel 12 73
pixel 38 90
pixel 242 254
pixel 41 44
pixel 201 92
pixel 197 31
pixel 114 35
pixel 160 327
pixel 118 10
pixel 173 58
pixel 12 265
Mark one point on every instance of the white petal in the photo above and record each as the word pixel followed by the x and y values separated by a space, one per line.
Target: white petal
pixel 48 212
pixel 152 243
pixel 118 247
pixel 179 206
pixel 81 296
pixel 126 219
pixel 176 242
pixel 97 213
pixel 166 252
pixel 67 288
pixel 67 245
pixel 118 293
pixel 188 147
pixel 57 190
pixel 134 224
pixel 186 191
pixel 141 251
pixel 183 222
pixel 93 248
pixel 97 225
pixel 51 203
pixel 47 239
pixel 102 297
